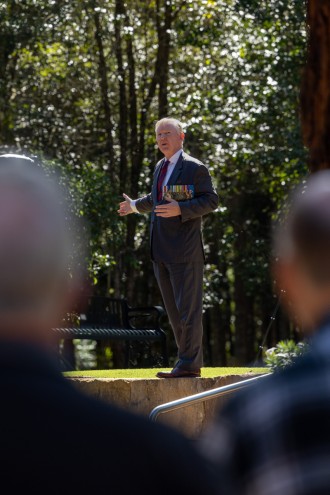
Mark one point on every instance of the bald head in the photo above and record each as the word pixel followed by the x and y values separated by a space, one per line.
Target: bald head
pixel 305 232
pixel 35 247
pixel 302 251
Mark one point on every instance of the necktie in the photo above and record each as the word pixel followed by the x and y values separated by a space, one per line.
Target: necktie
pixel 161 178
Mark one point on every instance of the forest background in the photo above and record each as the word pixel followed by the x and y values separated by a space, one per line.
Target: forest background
pixel 82 83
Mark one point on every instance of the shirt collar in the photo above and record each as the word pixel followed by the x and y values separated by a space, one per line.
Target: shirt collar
pixel 174 159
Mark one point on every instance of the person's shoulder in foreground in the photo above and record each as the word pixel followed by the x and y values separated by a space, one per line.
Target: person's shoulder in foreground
pixel 54 439
pixel 274 439
pixel 57 440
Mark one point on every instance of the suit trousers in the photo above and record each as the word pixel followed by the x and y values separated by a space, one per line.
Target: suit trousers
pixel 181 286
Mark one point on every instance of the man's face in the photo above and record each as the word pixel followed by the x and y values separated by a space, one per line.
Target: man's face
pixel 169 139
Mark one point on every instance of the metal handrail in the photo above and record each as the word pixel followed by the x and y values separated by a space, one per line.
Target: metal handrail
pixel 202 396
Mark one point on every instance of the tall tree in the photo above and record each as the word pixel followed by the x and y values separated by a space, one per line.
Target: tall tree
pixel 82 83
pixel 104 87
pixel 316 86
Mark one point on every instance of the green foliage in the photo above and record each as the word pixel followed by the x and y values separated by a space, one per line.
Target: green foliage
pixel 285 354
pixel 80 87
pixel 85 354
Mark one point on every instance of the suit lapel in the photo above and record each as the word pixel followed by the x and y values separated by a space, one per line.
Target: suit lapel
pixel 177 171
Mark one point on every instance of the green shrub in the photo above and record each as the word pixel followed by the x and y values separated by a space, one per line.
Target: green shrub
pixel 284 354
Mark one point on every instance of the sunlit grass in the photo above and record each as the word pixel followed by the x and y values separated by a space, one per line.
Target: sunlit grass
pixel 151 373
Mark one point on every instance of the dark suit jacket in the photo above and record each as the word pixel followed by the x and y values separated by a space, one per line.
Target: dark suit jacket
pixel 179 239
pixel 54 440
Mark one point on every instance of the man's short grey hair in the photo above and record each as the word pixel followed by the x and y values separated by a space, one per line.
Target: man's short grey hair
pixel 172 121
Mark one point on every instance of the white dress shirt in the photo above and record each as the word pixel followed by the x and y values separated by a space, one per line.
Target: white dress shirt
pixel 173 161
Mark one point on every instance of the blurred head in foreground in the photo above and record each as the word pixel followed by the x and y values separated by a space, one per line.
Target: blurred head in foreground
pixel 37 269
pixel 302 253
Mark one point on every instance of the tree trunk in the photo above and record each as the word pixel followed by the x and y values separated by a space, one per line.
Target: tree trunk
pixel 244 350
pixel 216 322
pixel 8 43
pixel 315 97
pixel 132 99
pixel 123 117
pixel 217 317
pixel 244 323
pixel 164 39
pixel 104 87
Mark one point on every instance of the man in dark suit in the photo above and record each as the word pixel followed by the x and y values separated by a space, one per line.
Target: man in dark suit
pixel 176 241
pixel 54 440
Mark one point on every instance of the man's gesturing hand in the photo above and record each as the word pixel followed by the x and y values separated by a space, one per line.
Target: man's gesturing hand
pixel 171 209
pixel 125 207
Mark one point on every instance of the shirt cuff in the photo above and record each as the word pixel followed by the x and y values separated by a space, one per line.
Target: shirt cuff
pixel 134 208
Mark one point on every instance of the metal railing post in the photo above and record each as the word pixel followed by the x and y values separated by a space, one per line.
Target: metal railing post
pixel 202 397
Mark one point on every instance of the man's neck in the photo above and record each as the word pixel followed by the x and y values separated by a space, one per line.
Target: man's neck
pixel 174 155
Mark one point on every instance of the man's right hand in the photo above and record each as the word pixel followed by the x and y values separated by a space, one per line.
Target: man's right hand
pixel 125 206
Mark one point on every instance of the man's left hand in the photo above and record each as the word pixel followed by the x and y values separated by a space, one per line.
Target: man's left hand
pixel 170 209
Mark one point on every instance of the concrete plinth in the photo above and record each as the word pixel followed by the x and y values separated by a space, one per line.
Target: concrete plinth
pixel 141 396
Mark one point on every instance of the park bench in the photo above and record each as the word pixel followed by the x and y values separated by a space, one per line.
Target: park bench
pixel 109 318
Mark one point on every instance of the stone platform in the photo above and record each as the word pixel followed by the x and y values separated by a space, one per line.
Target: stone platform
pixel 142 395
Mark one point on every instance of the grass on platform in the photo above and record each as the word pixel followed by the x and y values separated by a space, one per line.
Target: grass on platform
pixel 150 373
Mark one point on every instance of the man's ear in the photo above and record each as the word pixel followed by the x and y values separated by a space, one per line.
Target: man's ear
pixel 283 277
pixel 293 289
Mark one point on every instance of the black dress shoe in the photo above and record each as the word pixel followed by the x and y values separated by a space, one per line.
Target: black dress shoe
pixel 179 373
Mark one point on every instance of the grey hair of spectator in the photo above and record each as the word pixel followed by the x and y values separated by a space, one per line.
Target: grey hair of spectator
pixel 37 259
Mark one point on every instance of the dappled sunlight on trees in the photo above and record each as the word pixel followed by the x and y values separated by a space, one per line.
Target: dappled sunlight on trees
pixel 82 84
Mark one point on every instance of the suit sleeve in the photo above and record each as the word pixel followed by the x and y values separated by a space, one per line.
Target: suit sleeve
pixel 145 204
pixel 205 198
